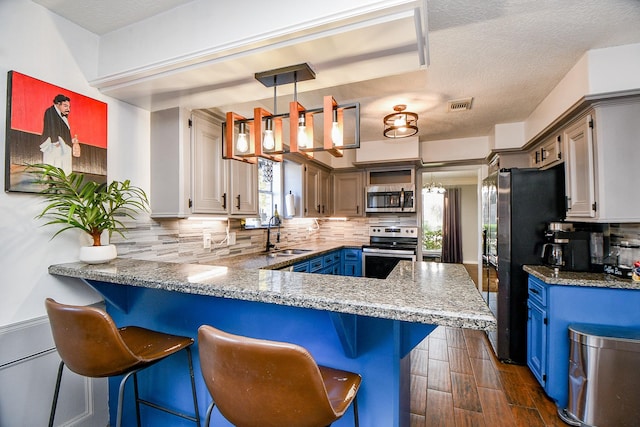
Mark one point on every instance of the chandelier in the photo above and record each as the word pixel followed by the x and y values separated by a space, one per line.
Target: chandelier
pixel 400 124
pixel 264 136
pixel 433 187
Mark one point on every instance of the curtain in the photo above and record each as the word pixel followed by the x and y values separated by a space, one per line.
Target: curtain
pixel 451 227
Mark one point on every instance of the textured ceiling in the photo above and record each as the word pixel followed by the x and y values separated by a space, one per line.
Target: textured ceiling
pixel 103 16
pixel 506 54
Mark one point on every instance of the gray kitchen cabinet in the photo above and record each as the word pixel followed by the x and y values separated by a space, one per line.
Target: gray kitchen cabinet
pixel 243 188
pixel 601 147
pixel 548 154
pixel 348 194
pixel 317 191
pixel 579 169
pixel 189 175
pixel 170 187
pixel 210 177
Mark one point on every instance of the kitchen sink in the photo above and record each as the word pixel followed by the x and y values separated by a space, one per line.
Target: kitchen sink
pixel 288 252
pixel 294 251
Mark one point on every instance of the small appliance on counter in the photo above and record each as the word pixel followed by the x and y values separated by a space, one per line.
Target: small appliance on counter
pixel 566 248
pixel 622 260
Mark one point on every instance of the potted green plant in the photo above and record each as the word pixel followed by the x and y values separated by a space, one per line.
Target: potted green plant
pixel 74 202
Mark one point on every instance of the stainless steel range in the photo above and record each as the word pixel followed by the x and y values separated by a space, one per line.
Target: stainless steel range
pixel 387 246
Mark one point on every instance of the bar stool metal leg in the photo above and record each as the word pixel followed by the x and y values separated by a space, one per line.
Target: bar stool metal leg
pixel 55 395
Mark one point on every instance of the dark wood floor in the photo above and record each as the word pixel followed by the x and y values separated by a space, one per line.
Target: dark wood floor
pixel 457 381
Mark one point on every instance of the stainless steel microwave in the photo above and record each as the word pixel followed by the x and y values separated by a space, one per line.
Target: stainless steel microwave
pixel 390 198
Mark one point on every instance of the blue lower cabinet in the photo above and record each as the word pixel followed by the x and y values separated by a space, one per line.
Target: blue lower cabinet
pixel 552 309
pixel 301 267
pixel 346 262
pixel 315 265
pixel 352 262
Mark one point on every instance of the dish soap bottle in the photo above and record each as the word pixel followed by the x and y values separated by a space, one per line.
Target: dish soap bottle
pixel 276 215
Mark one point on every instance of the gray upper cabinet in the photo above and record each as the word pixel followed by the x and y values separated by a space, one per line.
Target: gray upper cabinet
pixel 210 175
pixel 243 188
pixel 601 147
pixel 348 194
pixel 317 191
pixel 170 187
pixel 548 154
pixel 189 175
pixel 579 169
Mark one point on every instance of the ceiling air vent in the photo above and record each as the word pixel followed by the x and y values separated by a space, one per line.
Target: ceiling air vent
pixel 459 104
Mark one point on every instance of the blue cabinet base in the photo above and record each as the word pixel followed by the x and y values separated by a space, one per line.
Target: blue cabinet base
pixel 566 305
pixel 378 349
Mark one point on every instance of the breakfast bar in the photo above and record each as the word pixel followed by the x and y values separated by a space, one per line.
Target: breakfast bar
pixel 364 325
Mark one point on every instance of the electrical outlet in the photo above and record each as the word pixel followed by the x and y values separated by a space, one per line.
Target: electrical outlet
pixel 232 238
pixel 206 241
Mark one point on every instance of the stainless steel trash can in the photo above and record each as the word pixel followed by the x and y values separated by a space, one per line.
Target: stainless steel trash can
pixel 604 375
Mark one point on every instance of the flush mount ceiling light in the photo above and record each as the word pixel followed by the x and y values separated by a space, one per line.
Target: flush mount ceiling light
pixel 400 124
pixel 246 139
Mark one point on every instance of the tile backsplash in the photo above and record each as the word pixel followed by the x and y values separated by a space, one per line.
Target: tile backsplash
pixel 181 240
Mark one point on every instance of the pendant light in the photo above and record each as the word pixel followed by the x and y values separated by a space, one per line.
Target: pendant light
pixel 247 139
pixel 302 132
pixel 336 132
pixel 242 144
pixel 268 141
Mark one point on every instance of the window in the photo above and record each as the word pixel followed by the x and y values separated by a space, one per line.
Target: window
pixel 432 208
pixel 269 189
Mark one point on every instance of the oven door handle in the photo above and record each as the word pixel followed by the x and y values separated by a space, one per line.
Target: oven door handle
pixel 402 199
pixel 379 251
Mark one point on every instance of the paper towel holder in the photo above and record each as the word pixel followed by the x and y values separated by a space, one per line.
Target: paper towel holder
pixel 290 205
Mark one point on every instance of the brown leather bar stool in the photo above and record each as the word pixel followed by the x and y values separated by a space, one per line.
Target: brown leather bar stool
pixel 91 345
pixel 272 384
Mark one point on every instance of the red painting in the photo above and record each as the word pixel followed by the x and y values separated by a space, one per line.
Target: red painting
pixel 50 124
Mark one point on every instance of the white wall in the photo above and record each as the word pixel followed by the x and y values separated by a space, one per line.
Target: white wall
pixel 469 223
pixel 455 149
pixel 40 44
pixel 44 46
pixel 205 28
pixel 598 71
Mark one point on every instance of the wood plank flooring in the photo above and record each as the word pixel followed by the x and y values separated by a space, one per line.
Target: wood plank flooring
pixel 456 381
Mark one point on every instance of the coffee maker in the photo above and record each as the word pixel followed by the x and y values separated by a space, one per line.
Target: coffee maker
pixel 554 247
pixel 566 248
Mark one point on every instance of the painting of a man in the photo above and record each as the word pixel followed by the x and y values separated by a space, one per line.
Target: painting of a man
pixel 41 129
pixel 56 134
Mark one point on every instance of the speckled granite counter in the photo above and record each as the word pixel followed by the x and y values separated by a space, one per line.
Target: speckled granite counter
pixel 359 324
pixel 276 259
pixel 430 293
pixel 574 278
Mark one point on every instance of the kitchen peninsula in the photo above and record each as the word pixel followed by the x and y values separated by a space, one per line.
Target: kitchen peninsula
pixel 364 325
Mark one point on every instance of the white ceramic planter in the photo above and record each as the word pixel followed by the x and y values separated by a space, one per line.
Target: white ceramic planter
pixel 98 254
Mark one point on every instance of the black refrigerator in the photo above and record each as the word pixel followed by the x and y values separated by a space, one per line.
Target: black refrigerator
pixel 518 204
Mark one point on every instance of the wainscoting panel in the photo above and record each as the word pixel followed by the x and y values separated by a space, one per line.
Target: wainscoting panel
pixel 28 369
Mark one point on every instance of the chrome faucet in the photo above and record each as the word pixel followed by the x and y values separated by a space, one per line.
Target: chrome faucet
pixel 277 222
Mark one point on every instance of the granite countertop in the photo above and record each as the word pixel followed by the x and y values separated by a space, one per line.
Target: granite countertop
pixel 576 278
pixel 276 259
pixel 430 293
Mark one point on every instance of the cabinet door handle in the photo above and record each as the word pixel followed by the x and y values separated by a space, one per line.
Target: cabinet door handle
pixel 238 201
pixel 322 208
pixel 357 209
pixel 224 201
pixel 537 157
pixel 318 209
pixel 534 291
pixel 543 154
